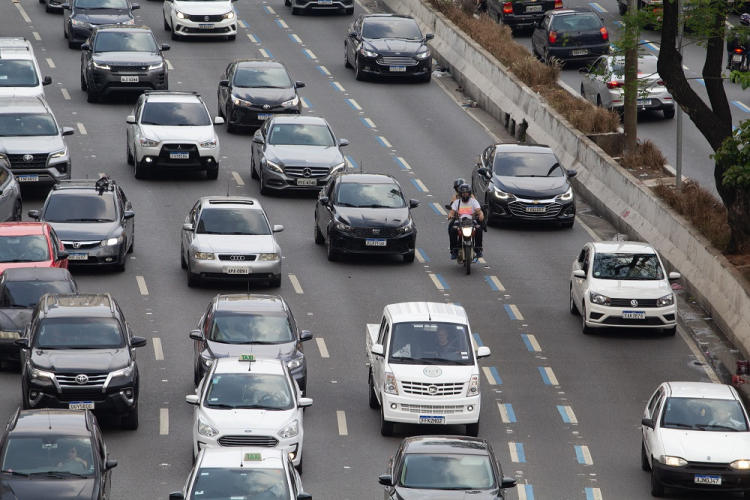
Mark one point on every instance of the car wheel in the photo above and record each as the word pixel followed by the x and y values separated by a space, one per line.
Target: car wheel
pixel 623 8
pixel 644 458
pixel 220 111
pixel 83 83
pixel 131 161
pixel 132 242
pixel 409 257
pixel 599 101
pixel 374 403
pixel 197 376
pixel 350 11
pixel 295 11
pixel 584 327
pixel 472 430
pixel 166 24
pixel 71 43
pixel 17 211
pixel 386 428
pixel 347 64
pixel 175 36
pixel 120 266
pixel 573 307
pixel 183 264
pixel 358 75
pixel 212 173
pixel 263 189
pixel 276 282
pixel 193 280
pixel 331 252
pixel 583 92
pixel 670 332
pixel 130 421
pixel 547 57
pixel 319 239
pixel 230 128
pixel 669 113
pixel 92 96
pixel 253 169
pixel 657 489
pixel 138 169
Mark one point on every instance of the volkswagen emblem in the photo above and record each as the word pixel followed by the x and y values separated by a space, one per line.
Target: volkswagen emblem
pixel 28 157
pixel 206 18
pixel 432 371
pixel 82 379
pixel 266 106
pixel 634 303
pixel 236 258
pixel 77 244
pixel 432 389
pixel 307 172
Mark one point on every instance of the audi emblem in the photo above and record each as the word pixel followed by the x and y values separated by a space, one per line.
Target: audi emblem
pixel 206 18
pixel 432 389
pixel 307 172
pixel 77 244
pixel 266 106
pixel 28 157
pixel 82 379
pixel 236 258
pixel 634 303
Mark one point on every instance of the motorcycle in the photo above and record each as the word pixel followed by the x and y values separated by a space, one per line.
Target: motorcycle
pixel 739 60
pixel 467 228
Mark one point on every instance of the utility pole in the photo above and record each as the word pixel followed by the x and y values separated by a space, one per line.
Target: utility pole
pixel 631 88
pixel 678 166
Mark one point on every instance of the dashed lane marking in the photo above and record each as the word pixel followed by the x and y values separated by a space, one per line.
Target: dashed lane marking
pixel 513 312
pixel 281 23
pixel 341 418
pixel 477 339
pixel 583 455
pixel 238 179
pixel 253 38
pixel 243 24
pixel 158 350
pixel 492 376
pixel 507 415
pixel 368 123
pixel 309 53
pixel 36 36
pixel 548 375
pixel 142 285
pixel 65 94
pixel 384 142
pixel 593 494
pixel 337 86
pixel 531 342
pixel 269 10
pixel 295 283
pixel 169 64
pixel 516 452
pixel 420 186
pixel 438 209
pixel 353 104
pixel 323 70
pixel 352 163
pixel 742 106
pixel 439 282
pixel 322 347
pixel 81 128
pixel 598 7
pixel 265 53
pixel 306 103
pixel 525 492
pixel 23 13
pixel 51 63
pixel 650 45
pixel 164 421
pixel 566 412
pixel 295 38
pixel 402 163
pixel 421 255
pixel 495 283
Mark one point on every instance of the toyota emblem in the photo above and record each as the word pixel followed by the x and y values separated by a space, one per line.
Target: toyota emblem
pixel 432 389
pixel 77 244
pixel 28 157
pixel 307 172
pixel 236 258
pixel 206 18
pixel 634 303
pixel 82 379
pixel 266 106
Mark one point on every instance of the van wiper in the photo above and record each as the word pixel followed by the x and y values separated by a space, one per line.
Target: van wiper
pixel 443 361
pixel 15 473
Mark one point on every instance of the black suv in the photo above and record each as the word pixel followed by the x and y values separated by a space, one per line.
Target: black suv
pixel 79 353
pixel 576 34
pixel 122 58
pixel 263 322
pixel 20 291
pixel 54 454
pixel 81 16
pixel 94 220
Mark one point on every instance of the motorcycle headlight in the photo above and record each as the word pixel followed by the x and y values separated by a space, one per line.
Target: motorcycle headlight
pixel 179 15
pixel 124 373
pixel 148 143
pixel 274 167
pixel 157 66
pixel 367 53
pixel 290 430
pixel 241 102
pixel 290 103
pixel 206 430
pixel 228 15
pixel 667 300
pixel 473 388
pixel 59 154
pixel 502 195
pixel 424 55
pixel 566 196
pixel 204 255
pixel 112 241
pixel 268 256
pixel 344 227
pixel 211 144
pixel 406 228
pixel 340 166
pixel 294 364
pixel 9 335
pixel 597 298
pixel 390 386
pixel 467 231
pixel 40 374
pixel 740 464
pixel 672 461
pixel 101 66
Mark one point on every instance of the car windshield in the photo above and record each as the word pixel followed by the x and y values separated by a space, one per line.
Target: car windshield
pixel 391 28
pixel 704 414
pixel 32 248
pixel 27 293
pixel 102 4
pixel 78 333
pixel 430 343
pixel 18 73
pixel 175 114
pixel 447 472
pixel 354 194
pixel 233 221
pixel 241 484
pixel 296 134
pixel 576 22
pixel 49 455
pixel 246 328
pixel 27 125
pixel 249 390
pixel 118 41
pixel 78 207
pixel 527 165
pixel 627 266
pixel 257 77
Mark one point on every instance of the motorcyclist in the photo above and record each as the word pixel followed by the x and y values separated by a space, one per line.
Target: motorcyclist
pixel 736 38
pixel 465 207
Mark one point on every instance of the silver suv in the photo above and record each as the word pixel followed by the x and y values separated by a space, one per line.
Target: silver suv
pixel 32 141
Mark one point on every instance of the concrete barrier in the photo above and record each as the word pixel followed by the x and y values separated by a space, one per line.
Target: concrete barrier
pixel 618 196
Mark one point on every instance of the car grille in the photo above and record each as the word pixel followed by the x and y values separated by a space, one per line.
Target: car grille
pixel 37 161
pixel 397 61
pixel 626 303
pixel 266 441
pixel 191 149
pixel 71 245
pixel 423 389
pixel 244 258
pixel 300 171
pixel 69 396
pixel 95 380
pixel 366 232
pixel 433 410
pixel 128 68
pixel 206 19
pixel 615 320
pixel 518 208
pixel 702 467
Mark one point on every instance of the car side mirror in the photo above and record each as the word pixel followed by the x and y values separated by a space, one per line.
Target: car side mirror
pixel 192 399
pixel 176 495
pixel 429 36
pixel 258 139
pixel 299 85
pixel 482 171
pixel 323 200
pixel 343 142
pixel 483 352
pixel 218 120
pixel 138 341
pixel 62 255
pixel 196 335
pixel 304 402
pixel 413 203
pixel 223 83
pixel 305 335
pixel 165 47
pixel 352 34
pixel 644 421
pixel 135 6
pixel 673 276
pixel 377 350
pixel 85 46
pixel 110 464
pixel 47 80
pixel 130 119
pixel 579 273
pixel 67 131
pixel 583 71
pixel 304 496
pixel 385 480
pixel 277 228
pixel 34 214
pixel 572 172
pixel 187 227
pixel 508 482
pixel 23 343
pixel 128 214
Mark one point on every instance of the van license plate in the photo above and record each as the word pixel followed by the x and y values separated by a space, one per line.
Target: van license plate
pixel 430 419
pixel 206 26
pixel 88 405
pixel 307 182
pixel 708 480
pixel 27 178
pixel 374 243
pixel 179 156
pixel 634 315
pixel 398 68
pixel 78 256
pixel 533 8
pixel 129 79
pixel 236 270
pixel 264 116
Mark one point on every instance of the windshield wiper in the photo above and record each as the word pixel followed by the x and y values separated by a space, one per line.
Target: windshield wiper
pixel 219 405
pixel 63 473
pixel 445 361
pixel 258 407
pixel 678 424
pixel 347 205
pixel 88 220
pixel 407 359
pixel 15 473
pixel 725 427
pixel 377 206
pixel 264 87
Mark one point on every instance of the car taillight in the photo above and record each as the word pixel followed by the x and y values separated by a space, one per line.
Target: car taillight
pixel 738 50
pixel 660 83
pixel 552 36
pixel 615 84
pixel 605 35
pixel 558 4
pixel 508 8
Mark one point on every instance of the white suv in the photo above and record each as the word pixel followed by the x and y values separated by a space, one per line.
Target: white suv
pixel 169 130
pixel 200 18
pixel 19 70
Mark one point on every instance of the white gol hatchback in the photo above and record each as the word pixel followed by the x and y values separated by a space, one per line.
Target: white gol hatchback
pixel 200 18
pixel 622 283
pixel 249 402
pixel 696 437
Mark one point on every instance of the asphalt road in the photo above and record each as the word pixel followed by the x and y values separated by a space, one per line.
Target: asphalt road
pixel 517 301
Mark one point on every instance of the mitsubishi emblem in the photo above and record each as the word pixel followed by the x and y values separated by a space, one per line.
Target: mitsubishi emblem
pixel 82 378
pixel 634 303
pixel 28 157
pixel 179 146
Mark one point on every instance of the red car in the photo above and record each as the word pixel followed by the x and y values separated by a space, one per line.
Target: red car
pixel 30 244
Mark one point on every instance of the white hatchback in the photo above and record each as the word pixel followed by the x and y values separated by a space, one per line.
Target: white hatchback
pixel 695 436
pixel 200 18
pixel 622 283
pixel 249 402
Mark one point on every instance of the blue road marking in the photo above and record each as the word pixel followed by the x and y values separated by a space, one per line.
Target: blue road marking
pixel 278 23
pixel 435 209
pixel 590 493
pixel 579 455
pixel 495 375
pixel 494 287
pixel 400 163
pixel 351 105
pixel 650 45
pixel 365 122
pixel 320 68
pixel 527 342
pixel 509 311
pixel 619 24
pixel 335 85
pixel 544 375
pixel 307 102
pixel 596 7
pixel 700 80
pixel 563 414
pixel 520 453
pixel 529 491
pixel 354 163
pixel 380 141
pixel 510 412
pixel 267 8
pixel 742 106
pixel 477 339
pixel 444 283
pixel 243 24
pixel 416 185
pixel 423 254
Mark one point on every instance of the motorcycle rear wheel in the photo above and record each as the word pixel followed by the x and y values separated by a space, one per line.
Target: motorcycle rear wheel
pixel 468 255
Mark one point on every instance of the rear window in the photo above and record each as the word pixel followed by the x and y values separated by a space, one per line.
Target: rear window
pixel 646 66
pixel 576 22
pixel 17 73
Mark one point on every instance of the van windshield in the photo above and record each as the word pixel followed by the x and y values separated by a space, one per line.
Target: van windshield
pixel 430 343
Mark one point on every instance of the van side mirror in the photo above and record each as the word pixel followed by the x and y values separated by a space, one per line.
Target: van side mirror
pixel 647 422
pixel 377 350
pixel 483 352
pixel 130 119
pixel 579 273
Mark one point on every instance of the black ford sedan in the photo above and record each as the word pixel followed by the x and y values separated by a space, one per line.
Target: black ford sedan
pixel 388 45
pixel 524 182
pixel 445 467
pixel 360 213
pixel 82 15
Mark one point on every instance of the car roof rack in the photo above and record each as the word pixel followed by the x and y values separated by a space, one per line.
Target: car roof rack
pixel 14 44
pixel 102 184
pixel 231 202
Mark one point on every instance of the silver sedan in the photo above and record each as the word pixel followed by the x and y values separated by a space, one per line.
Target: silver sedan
pixel 229 238
pixel 602 84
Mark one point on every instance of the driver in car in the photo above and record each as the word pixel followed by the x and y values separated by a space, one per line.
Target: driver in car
pixel 446 343
pixel 73 458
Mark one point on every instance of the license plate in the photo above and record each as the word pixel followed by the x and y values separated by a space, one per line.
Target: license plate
pixel 307 182
pixel 374 243
pixel 644 102
pixel 430 419
pixel 535 209
pixel 179 156
pixel 129 79
pixel 264 116
pixel 236 270
pixel 579 52
pixel 206 26
pixel 325 2
pixel 533 8
pixel 27 178
pixel 634 315
pixel 398 68
pixel 708 480
pixel 78 256
pixel 737 58
pixel 81 405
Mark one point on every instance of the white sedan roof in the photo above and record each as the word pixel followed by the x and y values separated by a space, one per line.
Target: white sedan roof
pixel 622 247
pixel 701 390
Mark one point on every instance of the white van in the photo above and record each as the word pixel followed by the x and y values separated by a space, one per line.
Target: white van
pixel 19 70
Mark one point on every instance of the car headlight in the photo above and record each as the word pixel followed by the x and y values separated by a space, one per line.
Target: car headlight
pixel 406 228
pixel 80 24
pixel 367 53
pixel 672 461
pixel 390 386
pixel 112 241
pixel 100 66
pixel 211 144
pixel 129 22
pixel 740 464
pixel 343 227
pixel 502 195
pixel 204 255
pixel 148 143
pixel 179 15
pixel 268 256
pixel 597 298
pixel 290 103
pixel 206 430
pixel 40 374
pixel 566 196
pixel 241 102
pixel 59 154
pixel 228 15
pixel 423 55
pixel 9 335
pixel 667 300
pixel 294 364
pixel 274 167
pixel 338 167
pixel 473 388
pixel 124 373
pixel 290 430
pixel 157 66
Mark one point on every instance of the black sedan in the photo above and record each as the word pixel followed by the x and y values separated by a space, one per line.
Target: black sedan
pixel 360 213
pixel 82 15
pixel 94 220
pixel 388 45
pixel 576 34
pixel 445 467
pixel 122 58
pixel 524 182
pixel 253 90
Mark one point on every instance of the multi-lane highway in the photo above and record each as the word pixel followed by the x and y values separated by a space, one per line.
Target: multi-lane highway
pixel 561 409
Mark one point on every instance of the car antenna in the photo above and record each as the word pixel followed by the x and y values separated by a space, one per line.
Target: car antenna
pixel 227 187
pixel 361 166
pixel 48 420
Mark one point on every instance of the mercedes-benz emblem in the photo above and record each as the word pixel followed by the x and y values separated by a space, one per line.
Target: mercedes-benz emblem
pixel 77 244
pixel 82 379
pixel 634 303
pixel 266 106
pixel 306 172
pixel 206 18
pixel 236 258
pixel 28 157
pixel 432 389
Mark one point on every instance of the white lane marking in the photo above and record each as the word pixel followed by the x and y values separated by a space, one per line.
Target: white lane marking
pixel 65 94
pixel 504 417
pixel 421 185
pixel 354 104
pixel 496 282
pixel 304 103
pixel 263 53
pixel 516 313
pixel 238 179
pixel 51 63
pixel 322 347
pixel 158 350
pixel 481 260
pixel 684 67
pixel 551 376
pixel 699 356
pixel 338 86
pixel 81 128
pixel 571 416
pixel 252 38
pixel 164 421
pixel 364 7
pixel 23 13
pixel 385 141
pixel 142 285
pixel 296 38
pixel 283 24
pixel 589 230
pixel 169 64
pixel 309 53
pixel 295 283
pixel 437 282
pixel 534 343
pixel 596 493
pixel 487 373
pixel 513 452
pixel 325 70
pixel 521 489
pixel 372 125
pixel 270 10
pixel 36 36
pixel 439 209
pixel 587 460
pixel 341 417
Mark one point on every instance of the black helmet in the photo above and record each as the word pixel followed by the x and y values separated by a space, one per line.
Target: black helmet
pixel 464 191
pixel 457 183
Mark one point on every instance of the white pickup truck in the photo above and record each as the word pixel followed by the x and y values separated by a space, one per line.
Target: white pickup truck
pixel 423 366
